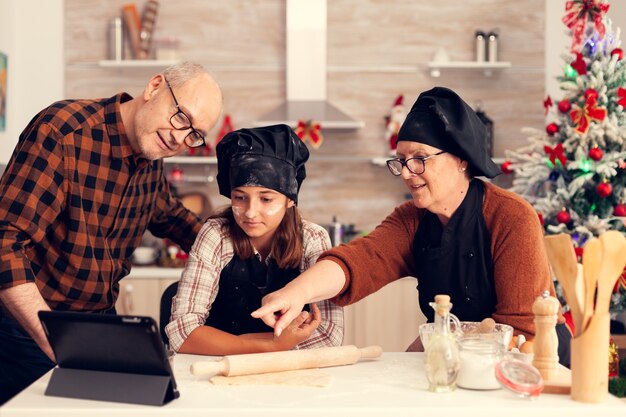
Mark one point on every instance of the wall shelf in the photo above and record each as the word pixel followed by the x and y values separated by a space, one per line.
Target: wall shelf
pixel 137 63
pixel 488 68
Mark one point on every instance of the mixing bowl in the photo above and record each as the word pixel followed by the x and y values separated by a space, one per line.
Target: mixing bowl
pixel 503 333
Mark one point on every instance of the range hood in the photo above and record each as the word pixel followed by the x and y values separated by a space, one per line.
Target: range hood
pixel 306 71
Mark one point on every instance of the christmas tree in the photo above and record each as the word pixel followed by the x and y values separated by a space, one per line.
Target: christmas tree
pixel 574 171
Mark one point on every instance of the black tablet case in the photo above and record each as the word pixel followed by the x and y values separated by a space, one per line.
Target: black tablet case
pixel 108 358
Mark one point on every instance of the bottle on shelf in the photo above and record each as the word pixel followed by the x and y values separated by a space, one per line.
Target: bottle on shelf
pixel 480 48
pixel 116 39
pixel 492 47
pixel 442 353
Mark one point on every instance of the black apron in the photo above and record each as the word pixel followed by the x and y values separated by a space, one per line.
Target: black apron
pixel 243 283
pixel 457 260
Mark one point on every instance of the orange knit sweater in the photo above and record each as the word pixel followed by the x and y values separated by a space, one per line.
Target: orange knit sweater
pixel 521 268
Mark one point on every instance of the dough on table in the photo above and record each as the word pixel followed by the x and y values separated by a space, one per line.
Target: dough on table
pixel 302 377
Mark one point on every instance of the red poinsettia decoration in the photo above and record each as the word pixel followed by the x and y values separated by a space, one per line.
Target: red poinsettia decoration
pixel 578 13
pixel 547 103
pixel 311 131
pixel 556 153
pixel 579 64
pixel 621 93
pixel 582 116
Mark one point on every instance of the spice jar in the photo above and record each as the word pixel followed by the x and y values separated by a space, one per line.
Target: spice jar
pixel 479 357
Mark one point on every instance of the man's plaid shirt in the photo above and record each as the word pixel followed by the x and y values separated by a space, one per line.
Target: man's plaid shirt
pixel 75 202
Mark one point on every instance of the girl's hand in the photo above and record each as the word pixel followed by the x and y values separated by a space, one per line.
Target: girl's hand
pixel 280 308
pixel 299 329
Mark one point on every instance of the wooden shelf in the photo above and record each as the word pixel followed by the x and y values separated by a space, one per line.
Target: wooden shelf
pixel 137 63
pixel 487 67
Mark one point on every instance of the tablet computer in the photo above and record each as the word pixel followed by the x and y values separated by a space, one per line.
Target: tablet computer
pixel 123 351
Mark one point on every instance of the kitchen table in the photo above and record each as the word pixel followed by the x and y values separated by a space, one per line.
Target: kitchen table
pixel 393 385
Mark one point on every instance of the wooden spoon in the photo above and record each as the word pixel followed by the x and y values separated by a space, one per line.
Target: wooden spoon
pixel 613 261
pixel 592 259
pixel 563 261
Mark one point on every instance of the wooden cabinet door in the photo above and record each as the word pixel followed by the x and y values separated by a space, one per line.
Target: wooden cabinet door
pixel 141 296
pixel 389 318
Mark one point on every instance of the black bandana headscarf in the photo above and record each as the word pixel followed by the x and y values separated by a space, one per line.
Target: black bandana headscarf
pixel 440 118
pixel 271 156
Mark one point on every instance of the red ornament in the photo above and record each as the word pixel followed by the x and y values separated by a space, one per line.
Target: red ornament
pixel 621 95
pixel 595 153
pixel 565 106
pixel 563 216
pixel 590 92
pixel 540 218
pixel 552 129
pixel 620 210
pixel 506 167
pixel 604 190
pixel 619 52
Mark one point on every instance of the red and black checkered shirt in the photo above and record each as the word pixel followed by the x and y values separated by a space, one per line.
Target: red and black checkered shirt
pixel 75 202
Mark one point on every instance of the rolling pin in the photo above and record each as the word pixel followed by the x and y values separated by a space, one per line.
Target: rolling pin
pixel 259 363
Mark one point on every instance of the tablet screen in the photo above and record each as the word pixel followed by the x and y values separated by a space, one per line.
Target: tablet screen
pixel 130 344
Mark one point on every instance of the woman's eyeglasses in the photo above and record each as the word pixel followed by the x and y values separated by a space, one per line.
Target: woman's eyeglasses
pixel 415 165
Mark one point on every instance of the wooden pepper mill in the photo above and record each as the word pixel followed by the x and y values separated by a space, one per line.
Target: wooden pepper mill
pixel 546 343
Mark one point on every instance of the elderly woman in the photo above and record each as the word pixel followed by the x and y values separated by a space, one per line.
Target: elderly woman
pixel 459 235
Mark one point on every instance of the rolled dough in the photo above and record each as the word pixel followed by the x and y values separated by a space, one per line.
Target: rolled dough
pixel 303 377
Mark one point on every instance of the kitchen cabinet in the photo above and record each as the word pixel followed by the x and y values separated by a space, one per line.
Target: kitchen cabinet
pixel 389 318
pixel 140 292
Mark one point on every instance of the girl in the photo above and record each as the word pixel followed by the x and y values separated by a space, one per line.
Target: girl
pixel 254 247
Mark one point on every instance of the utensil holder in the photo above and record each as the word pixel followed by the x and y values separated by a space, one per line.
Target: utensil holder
pixel 590 361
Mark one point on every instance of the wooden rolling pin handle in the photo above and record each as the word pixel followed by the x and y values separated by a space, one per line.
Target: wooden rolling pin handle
pixel 371 351
pixel 209 368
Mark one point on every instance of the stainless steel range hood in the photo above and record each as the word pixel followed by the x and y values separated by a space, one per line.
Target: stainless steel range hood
pixel 306 71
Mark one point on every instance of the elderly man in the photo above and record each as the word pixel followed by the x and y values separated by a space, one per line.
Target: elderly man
pixel 85 182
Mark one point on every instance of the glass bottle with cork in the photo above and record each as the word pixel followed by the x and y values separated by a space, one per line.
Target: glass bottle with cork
pixel 442 353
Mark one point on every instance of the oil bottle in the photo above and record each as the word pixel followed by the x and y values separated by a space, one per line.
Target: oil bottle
pixel 442 353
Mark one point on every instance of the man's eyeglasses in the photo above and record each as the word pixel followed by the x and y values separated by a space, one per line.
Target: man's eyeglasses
pixel 180 121
pixel 415 165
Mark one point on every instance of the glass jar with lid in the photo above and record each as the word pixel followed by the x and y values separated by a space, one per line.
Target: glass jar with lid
pixel 478 357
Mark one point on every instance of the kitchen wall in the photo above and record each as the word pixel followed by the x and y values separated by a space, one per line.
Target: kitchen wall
pixel 376 50
pixel 35 62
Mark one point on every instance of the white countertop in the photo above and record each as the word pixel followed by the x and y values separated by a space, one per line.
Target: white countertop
pixel 154 272
pixel 394 385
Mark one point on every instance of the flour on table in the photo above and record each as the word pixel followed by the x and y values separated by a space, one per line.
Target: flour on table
pixel 302 377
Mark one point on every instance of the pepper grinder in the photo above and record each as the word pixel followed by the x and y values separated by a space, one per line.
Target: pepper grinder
pixel 546 357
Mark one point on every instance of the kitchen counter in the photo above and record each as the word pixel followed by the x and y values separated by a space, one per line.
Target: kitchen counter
pixel 394 385
pixel 154 272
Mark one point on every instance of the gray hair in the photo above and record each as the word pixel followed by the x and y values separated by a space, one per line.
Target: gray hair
pixel 182 72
